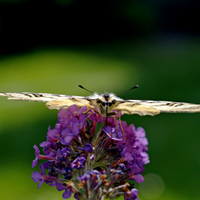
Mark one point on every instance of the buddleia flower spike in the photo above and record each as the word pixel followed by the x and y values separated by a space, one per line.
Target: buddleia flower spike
pixel 86 159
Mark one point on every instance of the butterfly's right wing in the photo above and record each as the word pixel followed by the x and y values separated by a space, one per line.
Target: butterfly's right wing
pixel 28 96
pixel 53 101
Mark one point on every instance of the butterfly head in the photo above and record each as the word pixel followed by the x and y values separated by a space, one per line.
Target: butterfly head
pixel 106 103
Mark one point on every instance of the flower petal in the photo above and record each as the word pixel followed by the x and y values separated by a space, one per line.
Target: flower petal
pixel 67 194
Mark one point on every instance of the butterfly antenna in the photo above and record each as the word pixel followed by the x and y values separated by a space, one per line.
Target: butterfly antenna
pixel 136 86
pixel 85 88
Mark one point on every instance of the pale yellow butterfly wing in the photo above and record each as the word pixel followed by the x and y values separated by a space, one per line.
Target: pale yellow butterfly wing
pixel 148 107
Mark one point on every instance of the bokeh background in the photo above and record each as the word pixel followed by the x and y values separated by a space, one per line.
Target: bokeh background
pixel 51 46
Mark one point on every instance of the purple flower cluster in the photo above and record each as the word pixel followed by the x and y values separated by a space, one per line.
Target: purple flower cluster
pixel 93 161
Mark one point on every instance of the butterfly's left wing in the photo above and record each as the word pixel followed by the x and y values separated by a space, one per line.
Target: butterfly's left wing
pixel 145 107
pixel 53 101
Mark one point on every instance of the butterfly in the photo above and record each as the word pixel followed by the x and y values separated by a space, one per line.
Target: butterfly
pixel 106 104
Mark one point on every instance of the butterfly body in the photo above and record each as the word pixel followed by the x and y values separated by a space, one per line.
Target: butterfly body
pixel 106 104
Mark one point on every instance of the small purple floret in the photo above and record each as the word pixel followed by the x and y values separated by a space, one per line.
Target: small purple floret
pixel 39 177
pixel 67 193
pixel 132 195
pixel 113 133
pixel 37 153
pixel 87 148
pixel 78 163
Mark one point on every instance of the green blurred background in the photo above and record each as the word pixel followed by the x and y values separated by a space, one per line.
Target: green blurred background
pixel 51 46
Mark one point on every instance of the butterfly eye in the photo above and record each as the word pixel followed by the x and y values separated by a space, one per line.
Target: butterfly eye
pixel 113 102
pixel 99 101
pixel 103 103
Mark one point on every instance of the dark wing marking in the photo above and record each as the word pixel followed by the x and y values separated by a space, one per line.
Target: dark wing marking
pixel 161 106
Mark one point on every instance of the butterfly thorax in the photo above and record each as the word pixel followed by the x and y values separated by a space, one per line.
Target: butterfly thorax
pixel 105 103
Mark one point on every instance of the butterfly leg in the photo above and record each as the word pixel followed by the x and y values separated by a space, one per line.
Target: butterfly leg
pixel 92 113
pixel 88 109
pixel 122 127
